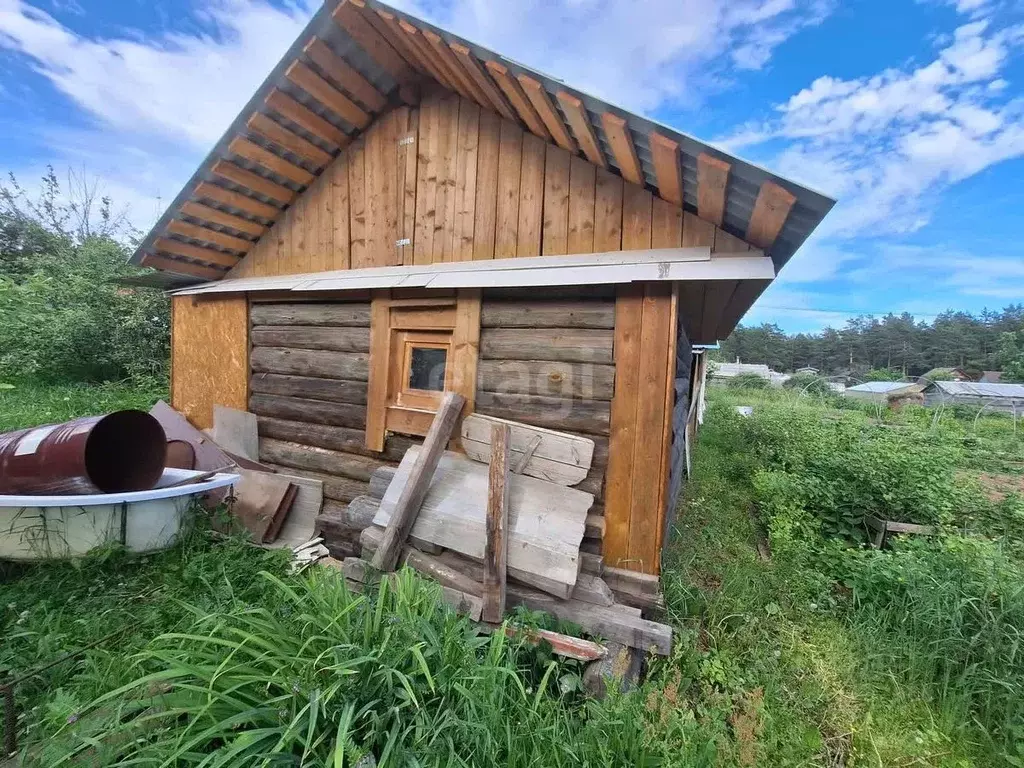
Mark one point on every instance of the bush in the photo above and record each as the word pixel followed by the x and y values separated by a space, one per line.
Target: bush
pixel 748 381
pixel 810 384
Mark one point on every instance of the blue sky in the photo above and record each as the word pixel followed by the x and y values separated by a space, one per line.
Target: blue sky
pixel 910 113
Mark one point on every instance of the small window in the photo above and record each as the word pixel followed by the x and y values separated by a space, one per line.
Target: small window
pixel 427 368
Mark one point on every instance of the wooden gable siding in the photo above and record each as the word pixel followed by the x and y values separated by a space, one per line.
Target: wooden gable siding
pixel 460 183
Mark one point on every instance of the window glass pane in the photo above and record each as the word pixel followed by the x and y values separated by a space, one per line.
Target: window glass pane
pixel 426 368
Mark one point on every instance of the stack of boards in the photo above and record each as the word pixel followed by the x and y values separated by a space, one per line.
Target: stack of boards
pixel 546 521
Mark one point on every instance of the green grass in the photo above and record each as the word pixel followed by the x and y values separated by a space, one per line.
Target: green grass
pixel 26 404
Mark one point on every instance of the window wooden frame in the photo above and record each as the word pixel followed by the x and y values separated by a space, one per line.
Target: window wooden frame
pixel 397 324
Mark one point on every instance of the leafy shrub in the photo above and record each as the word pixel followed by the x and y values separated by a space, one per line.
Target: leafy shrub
pixel 884 374
pixel 748 381
pixel 809 383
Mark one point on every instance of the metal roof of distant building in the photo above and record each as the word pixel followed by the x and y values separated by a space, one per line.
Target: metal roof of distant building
pixel 880 386
pixel 979 389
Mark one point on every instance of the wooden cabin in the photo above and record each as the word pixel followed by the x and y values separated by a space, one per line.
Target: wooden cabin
pixel 398 211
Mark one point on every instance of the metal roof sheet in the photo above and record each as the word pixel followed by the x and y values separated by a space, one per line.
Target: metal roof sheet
pixel 979 389
pixel 880 386
pixel 744 181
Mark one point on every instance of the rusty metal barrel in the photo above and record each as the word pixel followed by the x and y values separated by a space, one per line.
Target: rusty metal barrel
pixel 122 451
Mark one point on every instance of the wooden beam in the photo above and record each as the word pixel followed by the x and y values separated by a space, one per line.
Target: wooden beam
pixel 270 161
pixel 349 18
pixel 221 259
pixel 472 67
pixel 542 103
pixel 496 546
pixel 253 181
pixel 327 94
pixel 522 105
pixel 209 191
pixel 180 267
pixel 304 117
pixel 623 150
pixel 385 23
pixel 273 131
pixel 408 505
pixel 345 75
pixel 665 154
pixel 579 120
pixel 215 216
pixel 468 88
pixel 416 42
pixel 770 212
pixel 712 178
pixel 224 240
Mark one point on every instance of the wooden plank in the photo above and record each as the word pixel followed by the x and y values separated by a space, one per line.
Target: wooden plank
pixel 338 174
pixel 510 158
pixel 235 431
pixel 267 159
pixel 472 68
pixel 380 364
pixel 666 224
pixel 427 55
pixel 309 411
pixel 465 181
pixel 302 116
pixel 546 109
pixel 305 457
pixel 305 362
pixel 466 85
pixel 548 314
pixel 559 457
pixel 726 243
pixel 428 160
pixel 496 543
pixel 665 156
pixel 437 569
pixel 298 231
pixel 623 437
pixel 531 196
pixel 548 378
pixel 712 179
pixel 222 239
pixel 332 437
pixel 637 205
pixel 327 94
pixel 433 48
pixel 592 589
pixel 519 101
pixel 771 209
pixel 579 120
pixel 607 212
pixel 348 17
pixel 746 293
pixel 340 315
pixel 466 346
pixel 178 267
pixel 259 498
pixel 299 524
pixel 359 255
pixel 273 131
pixel 582 191
pixel 206 190
pixel 486 207
pixel 444 210
pixel 402 511
pixel 253 181
pixel 591 417
pixel 623 149
pixel 697 232
pixel 575 345
pixel 406 182
pixel 556 202
pixel 298 337
pixel 386 24
pixel 342 73
pixel 562 645
pixel 541 541
pixel 309 387
pixel 177 248
pixel 205 213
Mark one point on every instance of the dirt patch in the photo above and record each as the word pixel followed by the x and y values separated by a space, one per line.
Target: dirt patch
pixel 746 725
pixel 998 486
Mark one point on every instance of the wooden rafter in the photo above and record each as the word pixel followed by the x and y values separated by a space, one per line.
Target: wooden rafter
pixel 469 87
pixel 347 16
pixel 344 74
pixel 522 105
pixel 770 213
pixel 476 72
pixel 304 117
pixel 216 216
pixel 665 155
pixel 221 259
pixel 712 179
pixel 206 190
pixel 178 267
pixel 275 132
pixel 552 120
pixel 579 120
pixel 416 43
pixel 257 154
pixel 195 232
pixel 623 150
pixel 253 181
pixel 387 27
pixel 327 94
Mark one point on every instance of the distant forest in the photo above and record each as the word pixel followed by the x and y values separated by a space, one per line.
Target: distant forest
pixel 991 341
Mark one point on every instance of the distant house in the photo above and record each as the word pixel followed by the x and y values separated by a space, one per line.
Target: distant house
pixel 732 370
pixel 945 374
pixel 881 391
pixel 990 377
pixel 807 369
pixel 997 397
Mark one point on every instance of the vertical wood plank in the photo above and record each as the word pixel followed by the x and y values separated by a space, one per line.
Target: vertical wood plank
pixel 618 495
pixel 357 204
pixel 426 181
pixel 300 246
pixel 636 218
pixel 283 257
pixel 465 181
pixel 510 159
pixel 339 193
pixel 380 352
pixel 486 185
pixel 372 155
pixel 444 212
pixel 697 232
pixel 390 254
pixel 582 190
pixel 531 196
pixel 466 346
pixel 405 182
pixel 556 201
pixel 325 225
pixel 666 224
pixel 496 544
pixel 608 212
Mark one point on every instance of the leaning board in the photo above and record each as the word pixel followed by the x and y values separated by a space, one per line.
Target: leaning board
pixel 545 521
pixel 559 457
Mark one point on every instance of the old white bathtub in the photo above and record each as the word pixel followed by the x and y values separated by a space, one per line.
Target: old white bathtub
pixel 55 527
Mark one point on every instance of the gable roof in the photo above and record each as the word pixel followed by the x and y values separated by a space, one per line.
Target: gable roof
pixel 357 59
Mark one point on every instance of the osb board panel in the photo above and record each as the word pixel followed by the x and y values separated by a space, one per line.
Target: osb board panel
pixel 465 184
pixel 209 356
